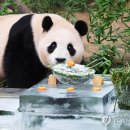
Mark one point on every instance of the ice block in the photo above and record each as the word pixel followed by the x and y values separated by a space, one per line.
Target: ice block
pixel 57 101
pixel 35 121
pixel 10 122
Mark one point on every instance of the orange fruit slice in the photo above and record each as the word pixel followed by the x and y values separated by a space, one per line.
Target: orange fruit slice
pixel 96 89
pixel 70 63
pixel 70 89
pixel 41 88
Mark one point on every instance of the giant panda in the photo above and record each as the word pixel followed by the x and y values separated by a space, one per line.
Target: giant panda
pixel 29 43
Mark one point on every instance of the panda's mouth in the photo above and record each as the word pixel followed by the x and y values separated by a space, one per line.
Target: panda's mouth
pixel 56 62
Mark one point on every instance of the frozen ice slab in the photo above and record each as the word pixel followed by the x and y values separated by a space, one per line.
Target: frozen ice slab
pixel 10 118
pixel 119 121
pixel 9 104
pixel 56 100
pixel 33 121
pixel 9 99
pixel 10 122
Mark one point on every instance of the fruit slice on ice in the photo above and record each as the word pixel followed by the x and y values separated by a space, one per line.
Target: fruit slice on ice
pixel 70 89
pixel 41 88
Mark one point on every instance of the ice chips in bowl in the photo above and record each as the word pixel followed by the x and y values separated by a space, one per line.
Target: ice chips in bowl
pixel 71 73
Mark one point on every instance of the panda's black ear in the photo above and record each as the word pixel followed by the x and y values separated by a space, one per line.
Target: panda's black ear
pixel 81 27
pixel 47 23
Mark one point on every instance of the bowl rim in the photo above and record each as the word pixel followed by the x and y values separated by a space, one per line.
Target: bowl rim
pixel 74 76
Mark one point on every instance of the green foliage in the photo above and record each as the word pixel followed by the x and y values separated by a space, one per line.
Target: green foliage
pixel 4 7
pixel 56 5
pixel 26 1
pixel 105 59
pixel 65 8
pixel 121 80
pixel 102 17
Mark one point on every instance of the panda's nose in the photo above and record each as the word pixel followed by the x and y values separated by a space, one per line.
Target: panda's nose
pixel 60 60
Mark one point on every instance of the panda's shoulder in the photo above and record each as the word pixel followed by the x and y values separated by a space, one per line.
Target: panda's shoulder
pixel 23 21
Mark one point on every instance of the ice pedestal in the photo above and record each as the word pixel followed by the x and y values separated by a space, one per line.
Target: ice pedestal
pixel 56 100
pixel 56 109
pixel 119 120
pixel 10 118
pixel 35 121
pixel 10 122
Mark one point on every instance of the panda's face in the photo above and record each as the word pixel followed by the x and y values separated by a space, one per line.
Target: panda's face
pixel 60 45
pixel 59 42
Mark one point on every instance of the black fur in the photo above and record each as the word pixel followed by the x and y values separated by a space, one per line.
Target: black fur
pixel 47 23
pixel 71 49
pixel 51 47
pixel 81 27
pixel 22 66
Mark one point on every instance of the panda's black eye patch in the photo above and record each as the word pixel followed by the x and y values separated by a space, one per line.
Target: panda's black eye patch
pixel 52 47
pixel 71 49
